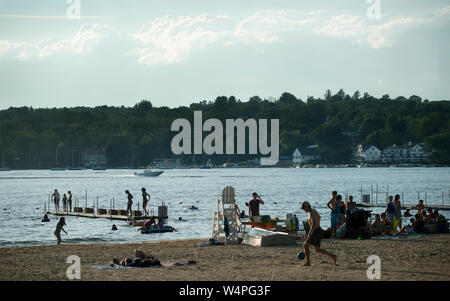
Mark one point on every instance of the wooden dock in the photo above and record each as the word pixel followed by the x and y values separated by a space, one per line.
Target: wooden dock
pixel 405 206
pixel 107 216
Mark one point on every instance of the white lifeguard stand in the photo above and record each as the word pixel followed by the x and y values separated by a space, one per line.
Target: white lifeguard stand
pixel 226 208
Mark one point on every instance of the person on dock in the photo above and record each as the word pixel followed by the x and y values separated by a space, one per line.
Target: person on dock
pixel 145 200
pixel 64 200
pixel 314 234
pixel 420 206
pixel 69 200
pixel 55 197
pixel 130 201
pixel 59 228
pixel 333 204
pixel 253 207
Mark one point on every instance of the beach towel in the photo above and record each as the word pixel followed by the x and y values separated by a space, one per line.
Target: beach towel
pixel 121 267
pixel 397 236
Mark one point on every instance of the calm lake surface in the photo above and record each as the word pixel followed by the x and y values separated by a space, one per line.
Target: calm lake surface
pixel 24 193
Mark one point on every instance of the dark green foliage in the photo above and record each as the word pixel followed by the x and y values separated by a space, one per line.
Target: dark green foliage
pixel 30 138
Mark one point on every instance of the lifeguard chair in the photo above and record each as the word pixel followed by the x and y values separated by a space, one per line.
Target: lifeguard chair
pixel 225 217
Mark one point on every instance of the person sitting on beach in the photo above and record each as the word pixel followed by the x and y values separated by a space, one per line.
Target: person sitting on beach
pixel 407 213
pixel 314 234
pixel 59 228
pixel 55 197
pixel 378 226
pixel 409 229
pixel 424 216
pixel 45 219
pixel 420 206
pixel 387 224
pixel 333 204
pixel 253 207
pixel 430 213
pixel 130 201
pixel 418 223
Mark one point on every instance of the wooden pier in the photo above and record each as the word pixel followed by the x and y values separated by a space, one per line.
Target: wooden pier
pixel 107 216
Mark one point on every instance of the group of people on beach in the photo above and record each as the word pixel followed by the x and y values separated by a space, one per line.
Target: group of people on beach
pixel 339 211
pixel 66 200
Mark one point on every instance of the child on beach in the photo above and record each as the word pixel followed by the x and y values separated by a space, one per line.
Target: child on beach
pixel 59 227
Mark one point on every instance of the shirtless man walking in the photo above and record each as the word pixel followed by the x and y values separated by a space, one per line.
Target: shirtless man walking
pixel 314 234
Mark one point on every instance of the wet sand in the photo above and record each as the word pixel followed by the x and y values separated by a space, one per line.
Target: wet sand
pixel 425 258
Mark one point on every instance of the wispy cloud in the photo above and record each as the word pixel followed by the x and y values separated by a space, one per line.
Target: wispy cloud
pixel 80 43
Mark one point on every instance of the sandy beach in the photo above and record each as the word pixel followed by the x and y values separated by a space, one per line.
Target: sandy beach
pixel 424 258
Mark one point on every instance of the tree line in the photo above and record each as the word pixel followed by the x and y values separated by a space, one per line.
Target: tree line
pixel 134 136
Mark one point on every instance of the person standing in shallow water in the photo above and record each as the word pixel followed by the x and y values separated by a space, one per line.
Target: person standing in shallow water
pixel 314 235
pixel 130 201
pixel 145 200
pixel 59 228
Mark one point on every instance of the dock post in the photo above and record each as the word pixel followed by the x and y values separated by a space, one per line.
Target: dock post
pixel 138 206
pixel 418 195
pixel 371 193
pixel 361 194
pixel 377 195
pixel 403 201
pixel 442 198
pixel 113 203
pixel 426 203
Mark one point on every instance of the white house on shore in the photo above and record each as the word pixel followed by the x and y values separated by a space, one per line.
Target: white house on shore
pixel 372 154
pixel 306 155
pixel 409 152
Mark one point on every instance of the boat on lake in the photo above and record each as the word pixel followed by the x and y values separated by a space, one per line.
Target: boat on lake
pixel 149 173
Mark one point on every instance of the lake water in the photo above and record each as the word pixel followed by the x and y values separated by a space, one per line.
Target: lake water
pixel 24 193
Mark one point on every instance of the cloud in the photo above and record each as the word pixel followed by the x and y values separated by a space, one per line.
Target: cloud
pixel 81 43
pixel 170 39
pixel 87 37
pixel 384 34
pixel 266 25
pixel 343 26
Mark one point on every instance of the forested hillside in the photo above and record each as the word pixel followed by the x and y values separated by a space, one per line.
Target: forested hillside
pixel 134 136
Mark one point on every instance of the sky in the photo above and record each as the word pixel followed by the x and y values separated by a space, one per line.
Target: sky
pixel 66 53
